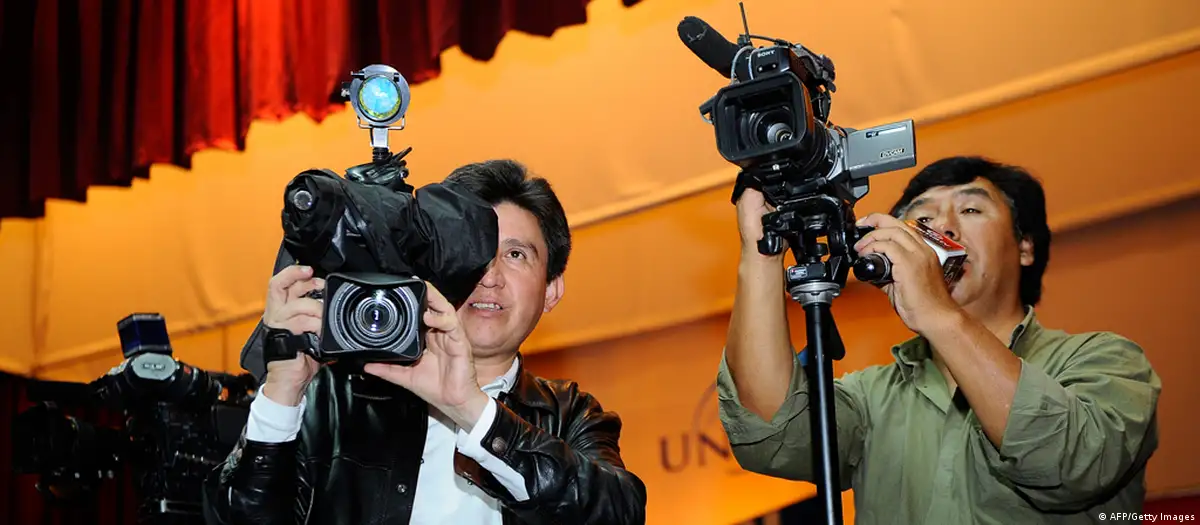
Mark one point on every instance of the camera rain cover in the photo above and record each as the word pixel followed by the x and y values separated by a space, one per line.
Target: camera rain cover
pixel 441 233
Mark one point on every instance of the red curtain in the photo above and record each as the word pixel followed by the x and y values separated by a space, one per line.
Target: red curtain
pixel 96 91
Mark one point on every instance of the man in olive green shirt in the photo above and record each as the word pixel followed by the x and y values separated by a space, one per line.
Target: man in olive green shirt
pixel 985 416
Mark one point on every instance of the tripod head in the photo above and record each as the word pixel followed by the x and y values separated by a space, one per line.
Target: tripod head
pixel 820 232
pixel 818 228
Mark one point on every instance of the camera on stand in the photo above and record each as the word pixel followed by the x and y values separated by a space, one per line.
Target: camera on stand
pixel 376 241
pixel 177 422
pixel 772 121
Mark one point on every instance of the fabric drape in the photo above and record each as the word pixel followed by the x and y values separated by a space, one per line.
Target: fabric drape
pixel 97 91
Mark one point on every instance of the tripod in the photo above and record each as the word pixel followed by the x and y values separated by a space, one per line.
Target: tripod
pixel 814 284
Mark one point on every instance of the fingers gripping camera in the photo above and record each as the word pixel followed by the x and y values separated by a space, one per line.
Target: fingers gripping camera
pixel 367 317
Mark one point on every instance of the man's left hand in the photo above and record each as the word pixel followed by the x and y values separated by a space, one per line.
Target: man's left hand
pixel 918 290
pixel 444 376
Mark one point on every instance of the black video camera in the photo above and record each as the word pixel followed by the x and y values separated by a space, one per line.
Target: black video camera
pixel 168 422
pixel 772 120
pixel 376 241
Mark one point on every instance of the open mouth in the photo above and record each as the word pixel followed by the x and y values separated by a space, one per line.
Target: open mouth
pixel 487 306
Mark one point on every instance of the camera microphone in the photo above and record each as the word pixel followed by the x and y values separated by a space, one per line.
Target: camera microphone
pixel 707 44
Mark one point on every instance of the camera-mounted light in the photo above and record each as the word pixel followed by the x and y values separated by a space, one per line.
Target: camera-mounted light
pixel 380 96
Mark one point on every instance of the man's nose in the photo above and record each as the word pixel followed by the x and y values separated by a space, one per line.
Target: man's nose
pixel 945 224
pixel 493 277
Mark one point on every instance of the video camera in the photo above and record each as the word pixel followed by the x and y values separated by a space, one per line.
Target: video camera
pixel 772 120
pixel 376 242
pixel 177 423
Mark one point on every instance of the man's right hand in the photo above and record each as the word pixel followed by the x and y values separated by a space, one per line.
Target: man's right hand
pixel 289 308
pixel 751 207
pixel 757 347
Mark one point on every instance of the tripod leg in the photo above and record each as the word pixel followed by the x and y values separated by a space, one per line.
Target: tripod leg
pixel 822 339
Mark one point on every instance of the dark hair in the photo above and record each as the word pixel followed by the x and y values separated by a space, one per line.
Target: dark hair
pixel 499 181
pixel 1026 202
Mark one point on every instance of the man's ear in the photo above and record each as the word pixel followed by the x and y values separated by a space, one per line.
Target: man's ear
pixel 1026 249
pixel 554 293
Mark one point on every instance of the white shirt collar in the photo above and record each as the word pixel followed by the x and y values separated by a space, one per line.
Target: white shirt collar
pixel 505 382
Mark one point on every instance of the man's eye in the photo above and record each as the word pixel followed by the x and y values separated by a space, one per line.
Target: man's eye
pixel 516 254
pixel 971 210
pixel 924 220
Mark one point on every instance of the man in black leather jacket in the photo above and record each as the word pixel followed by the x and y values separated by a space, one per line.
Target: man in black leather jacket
pixel 467 435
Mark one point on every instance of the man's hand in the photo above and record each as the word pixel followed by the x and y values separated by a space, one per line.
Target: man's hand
pixel 918 290
pixel 751 207
pixel 288 308
pixel 445 375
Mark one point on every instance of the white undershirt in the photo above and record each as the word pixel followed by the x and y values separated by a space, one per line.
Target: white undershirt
pixel 442 496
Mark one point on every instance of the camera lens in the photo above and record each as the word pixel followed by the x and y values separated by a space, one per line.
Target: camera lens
pixel 778 132
pixel 376 315
pixel 374 318
pixel 770 127
pixel 874 268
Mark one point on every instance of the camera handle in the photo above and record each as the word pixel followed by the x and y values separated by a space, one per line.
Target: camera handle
pixel 282 345
pixel 814 284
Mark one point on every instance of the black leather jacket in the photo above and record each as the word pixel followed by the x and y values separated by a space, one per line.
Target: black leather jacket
pixel 350 465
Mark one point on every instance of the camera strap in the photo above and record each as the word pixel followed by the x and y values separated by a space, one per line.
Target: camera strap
pixel 282 345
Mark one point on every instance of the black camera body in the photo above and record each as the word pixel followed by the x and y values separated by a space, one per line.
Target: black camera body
pixel 769 114
pixel 165 422
pixel 772 121
pixel 376 241
pixel 775 127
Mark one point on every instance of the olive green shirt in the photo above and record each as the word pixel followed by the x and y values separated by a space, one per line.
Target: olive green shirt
pixel 1079 433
